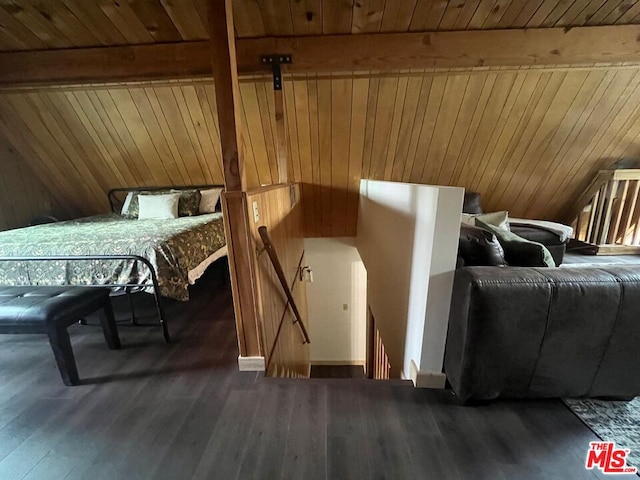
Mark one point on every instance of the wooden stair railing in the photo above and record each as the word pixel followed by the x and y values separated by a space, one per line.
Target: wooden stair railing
pixel 275 261
pixel 606 217
pixel 378 366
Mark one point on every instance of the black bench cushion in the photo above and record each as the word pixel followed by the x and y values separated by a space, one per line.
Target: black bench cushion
pixel 24 305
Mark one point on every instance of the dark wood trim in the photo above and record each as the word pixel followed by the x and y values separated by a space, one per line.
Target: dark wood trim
pixel 379 51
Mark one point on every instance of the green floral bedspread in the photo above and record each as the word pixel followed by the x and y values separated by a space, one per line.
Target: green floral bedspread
pixel 173 247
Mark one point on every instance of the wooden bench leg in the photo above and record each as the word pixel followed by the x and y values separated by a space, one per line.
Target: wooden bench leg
pixel 108 322
pixel 61 346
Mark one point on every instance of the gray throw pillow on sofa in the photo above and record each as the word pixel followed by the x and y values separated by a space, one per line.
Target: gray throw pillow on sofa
pixel 518 251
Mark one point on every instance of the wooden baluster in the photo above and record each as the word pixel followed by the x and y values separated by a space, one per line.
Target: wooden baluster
pixel 378 355
pixel 636 228
pixel 606 223
pixel 633 206
pixel 613 234
pixel 602 203
pixel 592 216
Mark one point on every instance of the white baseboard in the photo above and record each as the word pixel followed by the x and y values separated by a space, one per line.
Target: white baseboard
pixel 427 379
pixel 251 364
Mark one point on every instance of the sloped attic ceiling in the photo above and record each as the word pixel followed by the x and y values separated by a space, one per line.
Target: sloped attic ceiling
pixel 41 24
pixel 527 138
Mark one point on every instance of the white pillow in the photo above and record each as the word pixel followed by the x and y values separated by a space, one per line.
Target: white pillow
pixel 158 206
pixel 209 200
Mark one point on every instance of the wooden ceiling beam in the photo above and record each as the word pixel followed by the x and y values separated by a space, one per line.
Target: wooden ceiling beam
pixel 380 51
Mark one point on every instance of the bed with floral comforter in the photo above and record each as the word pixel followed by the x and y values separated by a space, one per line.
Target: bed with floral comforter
pixel 174 248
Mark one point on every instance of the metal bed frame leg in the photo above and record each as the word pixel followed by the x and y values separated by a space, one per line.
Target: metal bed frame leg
pixel 163 323
pixel 134 320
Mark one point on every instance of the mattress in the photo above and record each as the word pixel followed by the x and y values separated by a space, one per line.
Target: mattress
pixel 174 247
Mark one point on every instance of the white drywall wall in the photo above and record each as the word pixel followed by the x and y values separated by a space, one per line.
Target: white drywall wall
pixel 339 278
pixel 443 265
pixel 407 238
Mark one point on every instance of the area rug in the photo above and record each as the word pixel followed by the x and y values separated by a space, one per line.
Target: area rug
pixel 612 421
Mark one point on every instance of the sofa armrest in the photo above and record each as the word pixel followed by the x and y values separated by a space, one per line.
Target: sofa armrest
pixel 543 332
pixel 552 241
pixel 536 234
pixel 492 347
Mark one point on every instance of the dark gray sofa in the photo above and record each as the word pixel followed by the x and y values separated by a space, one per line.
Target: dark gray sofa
pixel 544 332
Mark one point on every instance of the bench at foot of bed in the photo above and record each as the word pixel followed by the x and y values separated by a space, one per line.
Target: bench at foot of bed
pixel 51 310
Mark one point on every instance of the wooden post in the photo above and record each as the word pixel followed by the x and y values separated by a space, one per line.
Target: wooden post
pixel 225 74
pixel 281 137
pixel 241 265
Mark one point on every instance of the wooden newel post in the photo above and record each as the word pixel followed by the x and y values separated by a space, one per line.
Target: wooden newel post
pixel 225 74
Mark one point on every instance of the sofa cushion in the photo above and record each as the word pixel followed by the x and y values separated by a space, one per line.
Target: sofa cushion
pixel 479 247
pixel 518 251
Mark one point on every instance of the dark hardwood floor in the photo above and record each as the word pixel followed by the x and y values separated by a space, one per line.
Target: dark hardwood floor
pixel 180 411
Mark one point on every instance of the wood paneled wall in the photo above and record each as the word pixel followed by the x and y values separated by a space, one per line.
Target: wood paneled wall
pixel 86 141
pixel 22 195
pixel 280 210
pixel 528 139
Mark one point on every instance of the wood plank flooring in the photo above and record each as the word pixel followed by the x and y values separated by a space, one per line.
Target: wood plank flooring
pixel 180 411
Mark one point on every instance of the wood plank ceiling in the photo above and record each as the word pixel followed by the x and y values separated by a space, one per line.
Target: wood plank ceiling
pixel 528 139
pixel 42 24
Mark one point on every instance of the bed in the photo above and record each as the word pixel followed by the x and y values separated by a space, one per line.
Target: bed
pixel 162 257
